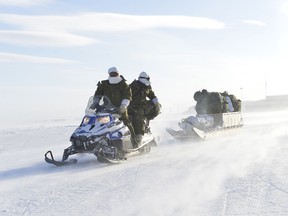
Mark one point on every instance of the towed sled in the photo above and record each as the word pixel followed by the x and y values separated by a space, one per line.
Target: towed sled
pixel 216 113
pixel 203 126
pixel 103 134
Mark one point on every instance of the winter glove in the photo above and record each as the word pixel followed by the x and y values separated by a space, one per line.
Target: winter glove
pixel 95 104
pixel 123 108
pixel 158 107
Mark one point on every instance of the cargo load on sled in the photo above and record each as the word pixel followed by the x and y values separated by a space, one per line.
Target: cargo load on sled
pixel 216 113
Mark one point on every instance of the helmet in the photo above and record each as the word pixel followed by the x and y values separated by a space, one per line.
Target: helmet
pixel 144 75
pixel 112 69
pixel 144 78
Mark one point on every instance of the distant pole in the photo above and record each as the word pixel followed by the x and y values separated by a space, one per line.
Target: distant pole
pixel 241 93
pixel 265 86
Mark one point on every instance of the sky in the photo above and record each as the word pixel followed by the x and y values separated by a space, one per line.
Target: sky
pixel 53 52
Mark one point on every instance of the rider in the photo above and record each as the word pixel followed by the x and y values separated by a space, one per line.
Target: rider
pixel 141 109
pixel 119 93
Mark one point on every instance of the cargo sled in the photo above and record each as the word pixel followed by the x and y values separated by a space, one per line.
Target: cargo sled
pixel 203 126
pixel 216 113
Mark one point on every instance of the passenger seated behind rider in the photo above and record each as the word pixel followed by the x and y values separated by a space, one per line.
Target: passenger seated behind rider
pixel 141 110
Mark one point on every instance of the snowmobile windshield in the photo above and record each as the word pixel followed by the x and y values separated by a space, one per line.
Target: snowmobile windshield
pixel 100 104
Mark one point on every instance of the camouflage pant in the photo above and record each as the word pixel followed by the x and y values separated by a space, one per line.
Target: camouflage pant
pixel 128 123
pixel 139 115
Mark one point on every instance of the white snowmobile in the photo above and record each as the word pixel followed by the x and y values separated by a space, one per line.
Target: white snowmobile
pixel 203 126
pixel 103 134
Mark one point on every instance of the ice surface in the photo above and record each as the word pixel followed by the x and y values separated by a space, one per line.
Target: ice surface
pixel 242 173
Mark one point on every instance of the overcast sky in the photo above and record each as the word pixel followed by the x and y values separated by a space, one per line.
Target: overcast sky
pixel 53 52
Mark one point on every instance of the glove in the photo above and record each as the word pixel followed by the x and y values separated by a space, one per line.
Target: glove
pixel 95 104
pixel 158 107
pixel 123 108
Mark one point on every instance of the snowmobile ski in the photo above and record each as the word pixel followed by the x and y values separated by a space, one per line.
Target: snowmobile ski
pixel 50 159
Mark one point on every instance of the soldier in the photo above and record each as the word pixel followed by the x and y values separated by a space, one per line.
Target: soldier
pixel 141 110
pixel 119 93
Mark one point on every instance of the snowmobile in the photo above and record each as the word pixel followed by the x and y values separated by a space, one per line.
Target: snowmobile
pixel 103 134
pixel 203 126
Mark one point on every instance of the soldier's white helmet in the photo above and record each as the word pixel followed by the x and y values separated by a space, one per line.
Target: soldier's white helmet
pixel 112 69
pixel 144 78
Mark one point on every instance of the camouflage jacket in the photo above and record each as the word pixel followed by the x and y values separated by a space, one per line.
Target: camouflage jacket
pixel 115 92
pixel 140 92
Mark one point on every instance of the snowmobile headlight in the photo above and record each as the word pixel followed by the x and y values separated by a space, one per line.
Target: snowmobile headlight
pixel 103 119
pixel 86 120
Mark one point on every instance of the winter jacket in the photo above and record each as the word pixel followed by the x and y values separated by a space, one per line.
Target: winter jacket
pixel 115 92
pixel 140 92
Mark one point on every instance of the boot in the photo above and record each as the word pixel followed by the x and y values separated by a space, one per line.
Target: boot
pixel 139 138
pixel 147 128
pixel 134 142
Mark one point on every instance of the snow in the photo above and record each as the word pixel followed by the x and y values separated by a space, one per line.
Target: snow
pixel 241 173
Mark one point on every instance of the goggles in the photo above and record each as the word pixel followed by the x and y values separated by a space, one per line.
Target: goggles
pixel 147 78
pixel 113 74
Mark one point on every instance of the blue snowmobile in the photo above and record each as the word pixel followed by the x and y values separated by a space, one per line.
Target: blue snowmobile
pixel 103 134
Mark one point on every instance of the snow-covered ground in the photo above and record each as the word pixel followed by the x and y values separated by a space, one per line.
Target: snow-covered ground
pixel 244 172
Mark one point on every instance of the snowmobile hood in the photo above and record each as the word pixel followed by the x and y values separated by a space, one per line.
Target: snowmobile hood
pixel 95 125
